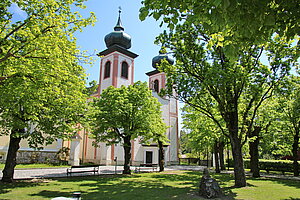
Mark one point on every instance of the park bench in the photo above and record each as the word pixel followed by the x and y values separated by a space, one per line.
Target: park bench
pixel 83 169
pixel 147 166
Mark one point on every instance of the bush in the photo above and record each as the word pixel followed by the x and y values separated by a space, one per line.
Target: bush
pixel 269 165
pixel 276 165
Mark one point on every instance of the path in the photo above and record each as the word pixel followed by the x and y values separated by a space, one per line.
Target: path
pixel 61 172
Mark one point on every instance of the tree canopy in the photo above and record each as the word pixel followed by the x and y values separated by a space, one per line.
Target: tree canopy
pixel 42 85
pixel 231 23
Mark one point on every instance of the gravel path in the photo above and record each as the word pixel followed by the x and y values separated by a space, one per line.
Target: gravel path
pixel 61 172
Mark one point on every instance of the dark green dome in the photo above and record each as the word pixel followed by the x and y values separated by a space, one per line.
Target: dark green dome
pixel 157 59
pixel 118 36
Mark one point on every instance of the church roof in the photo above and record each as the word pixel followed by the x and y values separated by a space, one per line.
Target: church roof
pixel 119 49
pixel 157 59
pixel 152 72
pixel 118 36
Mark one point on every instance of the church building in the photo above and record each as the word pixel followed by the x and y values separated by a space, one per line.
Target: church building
pixel 117 69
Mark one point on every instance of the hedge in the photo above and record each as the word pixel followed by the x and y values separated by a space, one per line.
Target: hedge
pixel 270 165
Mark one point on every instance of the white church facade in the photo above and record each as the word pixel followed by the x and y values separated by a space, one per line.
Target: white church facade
pixel 117 69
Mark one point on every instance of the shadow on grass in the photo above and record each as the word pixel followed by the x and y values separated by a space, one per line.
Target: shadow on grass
pixel 139 186
pixel 7 187
pixel 167 185
pixel 52 194
pixel 122 187
pixel 285 182
pixel 290 183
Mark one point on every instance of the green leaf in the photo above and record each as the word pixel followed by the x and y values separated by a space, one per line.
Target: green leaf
pixel 143 14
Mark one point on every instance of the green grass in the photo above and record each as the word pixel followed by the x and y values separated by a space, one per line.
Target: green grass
pixel 167 185
pixel 23 166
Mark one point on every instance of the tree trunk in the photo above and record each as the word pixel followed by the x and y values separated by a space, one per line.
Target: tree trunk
pixel 295 151
pixel 216 153
pixel 161 156
pixel 127 155
pixel 221 155
pixel 239 172
pixel 10 163
pixel 253 150
pixel 232 122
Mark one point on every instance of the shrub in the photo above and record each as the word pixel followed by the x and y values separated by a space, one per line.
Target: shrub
pixel 270 165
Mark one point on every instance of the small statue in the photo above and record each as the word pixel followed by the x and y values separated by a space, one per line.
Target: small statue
pixel 209 187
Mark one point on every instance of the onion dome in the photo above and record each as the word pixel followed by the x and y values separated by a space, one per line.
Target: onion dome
pixel 118 36
pixel 157 59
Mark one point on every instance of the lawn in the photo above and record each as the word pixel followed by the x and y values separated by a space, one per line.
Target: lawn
pixel 167 185
pixel 23 166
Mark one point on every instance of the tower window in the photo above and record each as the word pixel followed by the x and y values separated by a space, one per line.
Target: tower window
pixel 156 86
pixel 107 70
pixel 124 71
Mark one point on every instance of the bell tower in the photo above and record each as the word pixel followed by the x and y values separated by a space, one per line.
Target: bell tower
pixel 116 69
pixel 117 62
pixel 169 108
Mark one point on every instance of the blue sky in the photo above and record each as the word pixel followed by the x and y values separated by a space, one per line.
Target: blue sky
pixel 142 34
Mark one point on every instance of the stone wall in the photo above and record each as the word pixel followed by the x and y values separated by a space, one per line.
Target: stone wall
pixel 36 157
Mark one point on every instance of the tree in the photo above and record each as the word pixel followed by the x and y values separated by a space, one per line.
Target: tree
pixel 290 107
pixel 284 127
pixel 261 131
pixel 41 82
pixel 204 134
pixel 184 143
pixel 229 24
pixel 243 23
pixel 124 114
pixel 158 136
pixel 275 140
pixel 206 78
pixel 161 139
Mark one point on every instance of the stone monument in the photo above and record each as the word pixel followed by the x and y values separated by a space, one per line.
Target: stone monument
pixel 209 187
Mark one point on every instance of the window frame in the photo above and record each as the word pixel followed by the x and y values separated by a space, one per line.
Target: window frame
pixel 124 73
pixel 107 70
pixel 156 85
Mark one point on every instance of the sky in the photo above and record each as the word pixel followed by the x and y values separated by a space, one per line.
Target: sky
pixel 142 34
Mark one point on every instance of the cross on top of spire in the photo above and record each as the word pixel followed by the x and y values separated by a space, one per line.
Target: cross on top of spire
pixel 119 26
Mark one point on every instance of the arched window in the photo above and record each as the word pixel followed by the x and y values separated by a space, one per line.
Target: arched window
pixel 124 71
pixel 156 86
pixel 107 70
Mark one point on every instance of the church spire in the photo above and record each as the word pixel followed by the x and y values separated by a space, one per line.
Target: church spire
pixel 119 26
pixel 118 36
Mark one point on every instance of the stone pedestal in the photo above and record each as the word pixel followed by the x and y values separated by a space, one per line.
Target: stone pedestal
pixel 74 151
